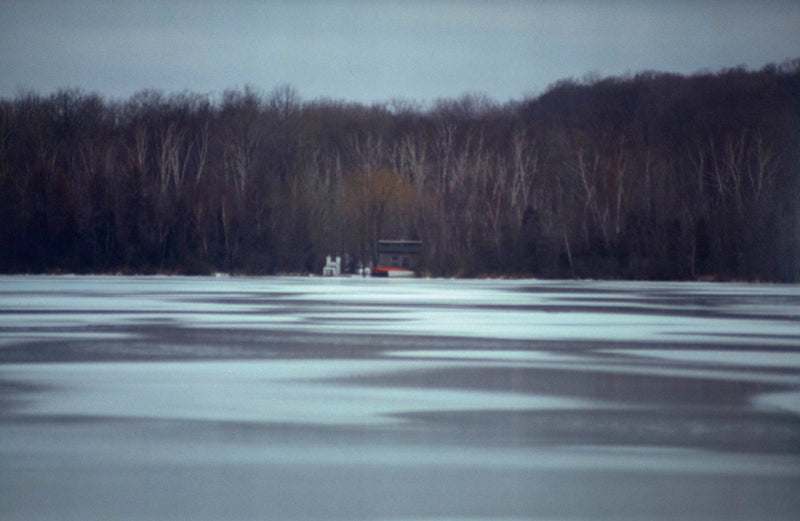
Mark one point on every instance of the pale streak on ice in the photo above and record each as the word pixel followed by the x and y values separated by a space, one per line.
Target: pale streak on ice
pixel 274 391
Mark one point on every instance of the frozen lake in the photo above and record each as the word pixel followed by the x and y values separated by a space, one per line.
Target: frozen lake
pixel 141 398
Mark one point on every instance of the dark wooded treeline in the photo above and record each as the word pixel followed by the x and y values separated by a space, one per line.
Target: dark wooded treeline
pixel 649 176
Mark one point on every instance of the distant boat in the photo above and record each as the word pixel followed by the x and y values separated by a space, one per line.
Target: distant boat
pixel 391 271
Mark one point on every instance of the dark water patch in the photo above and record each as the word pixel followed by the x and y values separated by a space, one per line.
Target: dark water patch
pixel 257 435
pixel 723 430
pixel 607 385
pixel 15 395
pixel 756 338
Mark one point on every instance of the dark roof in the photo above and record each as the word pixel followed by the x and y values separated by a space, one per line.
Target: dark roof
pixel 407 247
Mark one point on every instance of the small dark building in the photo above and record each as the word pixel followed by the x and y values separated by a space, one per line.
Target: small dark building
pixel 399 254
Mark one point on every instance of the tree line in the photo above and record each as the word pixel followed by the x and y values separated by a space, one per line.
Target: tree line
pixel 649 176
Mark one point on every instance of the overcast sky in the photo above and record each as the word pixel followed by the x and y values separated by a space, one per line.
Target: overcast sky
pixel 372 51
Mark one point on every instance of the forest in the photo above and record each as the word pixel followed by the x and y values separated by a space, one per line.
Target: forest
pixel 648 176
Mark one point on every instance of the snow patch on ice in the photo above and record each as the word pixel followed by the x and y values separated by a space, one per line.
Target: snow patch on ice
pixel 786 401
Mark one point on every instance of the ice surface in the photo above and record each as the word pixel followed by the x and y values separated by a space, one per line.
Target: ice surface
pixel 307 398
pixel 522 310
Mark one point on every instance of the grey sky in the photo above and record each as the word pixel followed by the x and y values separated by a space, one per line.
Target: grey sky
pixel 375 51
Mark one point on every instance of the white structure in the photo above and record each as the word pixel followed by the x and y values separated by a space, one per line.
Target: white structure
pixel 332 268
